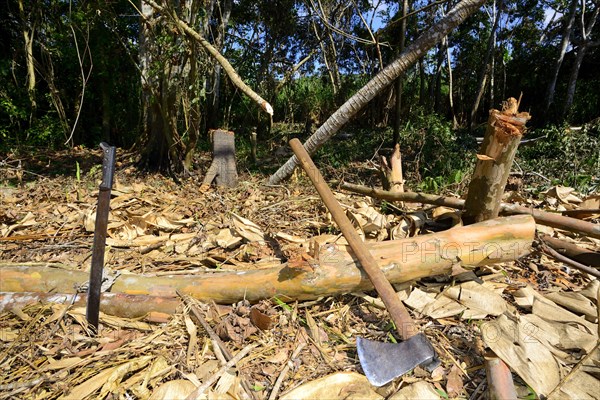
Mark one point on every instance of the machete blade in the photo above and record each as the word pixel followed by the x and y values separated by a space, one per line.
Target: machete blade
pixel 383 362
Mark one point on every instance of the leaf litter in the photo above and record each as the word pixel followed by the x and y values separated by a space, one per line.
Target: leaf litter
pixel 537 315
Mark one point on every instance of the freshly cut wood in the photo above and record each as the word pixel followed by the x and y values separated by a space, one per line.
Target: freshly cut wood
pixel 223 169
pixel 541 217
pixel 392 172
pixel 333 270
pixel 504 131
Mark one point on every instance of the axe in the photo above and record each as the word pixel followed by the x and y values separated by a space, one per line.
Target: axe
pixel 381 362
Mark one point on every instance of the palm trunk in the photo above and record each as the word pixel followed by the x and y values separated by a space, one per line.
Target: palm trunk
pixel 383 79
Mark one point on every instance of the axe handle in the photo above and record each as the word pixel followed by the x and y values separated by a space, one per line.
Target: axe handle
pixel 404 324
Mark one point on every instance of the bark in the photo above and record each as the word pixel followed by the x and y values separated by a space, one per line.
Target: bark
pixel 333 270
pixel 151 308
pixel 541 217
pixel 383 79
pixel 503 135
pixel 564 44
pixel 213 115
pixel 485 70
pixel 223 169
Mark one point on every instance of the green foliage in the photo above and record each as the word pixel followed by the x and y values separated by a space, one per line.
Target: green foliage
pixel 439 155
pixel 569 157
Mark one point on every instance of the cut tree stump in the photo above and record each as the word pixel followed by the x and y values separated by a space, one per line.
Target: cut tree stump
pixel 391 172
pixel 223 169
pixel 494 161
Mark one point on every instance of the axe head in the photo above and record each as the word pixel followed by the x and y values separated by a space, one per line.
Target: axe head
pixel 383 362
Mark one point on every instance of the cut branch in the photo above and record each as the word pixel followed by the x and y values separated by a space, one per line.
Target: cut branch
pixel 334 270
pixel 541 217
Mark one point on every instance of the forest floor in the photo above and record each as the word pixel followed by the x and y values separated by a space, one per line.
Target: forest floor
pixel 158 227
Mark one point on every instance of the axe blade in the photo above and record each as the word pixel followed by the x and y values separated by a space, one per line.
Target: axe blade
pixel 383 362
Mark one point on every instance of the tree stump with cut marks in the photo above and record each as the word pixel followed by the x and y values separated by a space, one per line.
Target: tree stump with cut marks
pixel 223 169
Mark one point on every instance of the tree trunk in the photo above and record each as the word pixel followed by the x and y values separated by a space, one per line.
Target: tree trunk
pixel 504 132
pixel 564 44
pixel 331 270
pixel 584 43
pixel 223 169
pixel 437 84
pixel 215 100
pixel 485 69
pixel 450 87
pixel 383 79
pixel 422 80
pixel 28 34
pixel 106 110
pixel 399 84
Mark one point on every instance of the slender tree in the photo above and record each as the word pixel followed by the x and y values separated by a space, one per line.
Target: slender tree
pixel 568 20
pixel 584 43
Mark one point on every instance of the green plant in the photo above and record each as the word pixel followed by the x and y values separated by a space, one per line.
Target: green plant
pixel 565 156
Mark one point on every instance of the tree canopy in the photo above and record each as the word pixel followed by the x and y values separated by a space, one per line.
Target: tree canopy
pixel 125 72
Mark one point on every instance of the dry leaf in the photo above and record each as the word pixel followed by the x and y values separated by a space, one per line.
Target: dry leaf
pixel 454 386
pixel 512 342
pixel 479 299
pixel 247 229
pixel 417 390
pixel 177 389
pixel 564 194
pixel 340 385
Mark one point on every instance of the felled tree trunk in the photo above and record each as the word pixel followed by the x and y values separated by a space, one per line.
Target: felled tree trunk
pixel 504 131
pixel 223 169
pixel 333 269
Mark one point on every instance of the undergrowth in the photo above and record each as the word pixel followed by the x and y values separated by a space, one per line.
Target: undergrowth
pixel 565 156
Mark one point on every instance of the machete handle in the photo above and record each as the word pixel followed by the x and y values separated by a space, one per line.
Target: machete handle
pixel 108 165
pixel 404 324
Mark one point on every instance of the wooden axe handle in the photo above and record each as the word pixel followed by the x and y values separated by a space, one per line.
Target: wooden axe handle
pixel 404 324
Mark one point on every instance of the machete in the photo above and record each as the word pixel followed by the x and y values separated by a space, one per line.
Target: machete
pixel 96 271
